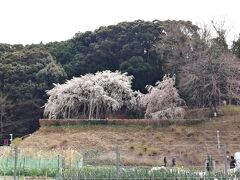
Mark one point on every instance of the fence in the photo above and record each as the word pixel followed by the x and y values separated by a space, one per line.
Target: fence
pixel 179 161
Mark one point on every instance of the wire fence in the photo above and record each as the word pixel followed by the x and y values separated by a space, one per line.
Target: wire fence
pixel 179 162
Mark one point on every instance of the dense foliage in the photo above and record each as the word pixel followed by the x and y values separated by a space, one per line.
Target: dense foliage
pixel 126 46
pixel 147 50
pixel 25 73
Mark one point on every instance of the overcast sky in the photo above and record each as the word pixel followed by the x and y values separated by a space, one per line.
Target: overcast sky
pixel 33 21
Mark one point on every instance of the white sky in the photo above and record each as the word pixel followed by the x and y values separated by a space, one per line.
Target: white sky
pixel 33 21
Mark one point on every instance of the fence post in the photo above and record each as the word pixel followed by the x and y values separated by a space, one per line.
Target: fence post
pixel 225 161
pixel 59 168
pixel 218 139
pixel 117 162
pixel 15 163
pixel 23 163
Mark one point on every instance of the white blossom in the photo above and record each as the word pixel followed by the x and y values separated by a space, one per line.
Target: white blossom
pixel 91 95
pixel 162 100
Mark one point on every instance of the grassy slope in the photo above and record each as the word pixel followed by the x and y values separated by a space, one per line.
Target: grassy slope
pixel 146 145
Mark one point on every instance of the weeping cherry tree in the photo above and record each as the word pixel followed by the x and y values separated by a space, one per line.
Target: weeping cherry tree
pixel 162 100
pixel 91 95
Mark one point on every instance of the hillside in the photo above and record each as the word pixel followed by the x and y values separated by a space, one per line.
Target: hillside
pixel 190 144
pixel 26 72
pixel 146 50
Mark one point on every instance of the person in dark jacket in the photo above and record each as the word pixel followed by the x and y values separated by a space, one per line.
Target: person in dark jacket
pixel 173 162
pixel 232 163
pixel 165 161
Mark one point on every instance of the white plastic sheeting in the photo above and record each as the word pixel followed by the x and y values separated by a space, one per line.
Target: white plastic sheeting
pixel 237 158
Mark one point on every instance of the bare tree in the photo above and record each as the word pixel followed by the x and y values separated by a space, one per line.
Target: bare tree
pixel 233 78
pixel 207 71
pixel 212 77
pixel 177 46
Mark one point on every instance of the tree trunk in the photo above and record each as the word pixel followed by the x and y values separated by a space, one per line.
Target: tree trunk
pixel 84 109
pixel 69 112
pixel 230 94
pixel 97 112
pixel 90 112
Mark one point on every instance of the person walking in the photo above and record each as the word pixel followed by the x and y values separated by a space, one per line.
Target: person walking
pixel 165 161
pixel 232 163
pixel 173 162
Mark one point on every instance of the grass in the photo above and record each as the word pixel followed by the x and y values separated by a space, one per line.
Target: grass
pixel 110 172
pixel 139 146
pixel 230 110
pixel 135 143
pixel 139 173
pixel 145 145
pixel 34 172
pixel 198 113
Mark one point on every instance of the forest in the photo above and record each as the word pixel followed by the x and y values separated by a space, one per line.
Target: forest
pixel 205 67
